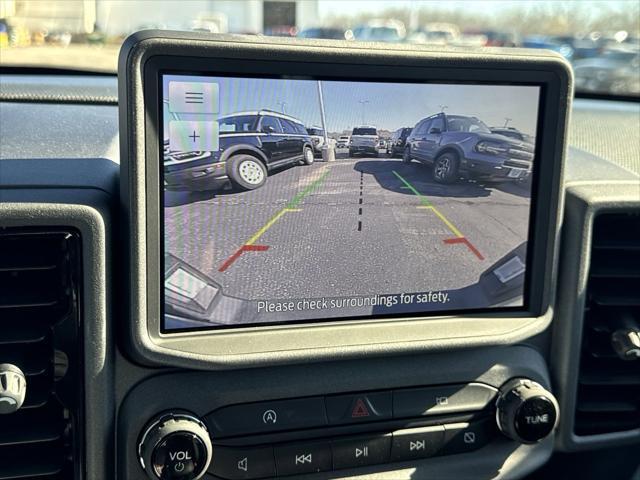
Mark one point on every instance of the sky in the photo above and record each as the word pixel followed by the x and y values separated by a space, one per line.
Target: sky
pixel 354 7
pixel 390 106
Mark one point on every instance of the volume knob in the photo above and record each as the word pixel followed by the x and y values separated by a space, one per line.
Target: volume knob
pixel 175 446
pixel 526 412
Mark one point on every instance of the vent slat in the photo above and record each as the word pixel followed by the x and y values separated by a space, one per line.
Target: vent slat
pixel 37 297
pixel 34 268
pixel 604 407
pixel 23 333
pixel 599 423
pixel 31 461
pixel 604 379
pixel 43 429
pixel 27 426
pixel 29 288
pixel 32 360
pixel 608 398
pixel 38 390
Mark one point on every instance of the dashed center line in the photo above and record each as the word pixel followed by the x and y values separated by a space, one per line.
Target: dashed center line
pixel 360 202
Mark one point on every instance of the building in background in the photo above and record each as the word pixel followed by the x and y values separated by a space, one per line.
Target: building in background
pixel 248 16
pixel 121 17
pixel 73 17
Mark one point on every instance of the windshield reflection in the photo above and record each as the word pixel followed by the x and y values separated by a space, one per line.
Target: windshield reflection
pixel 601 40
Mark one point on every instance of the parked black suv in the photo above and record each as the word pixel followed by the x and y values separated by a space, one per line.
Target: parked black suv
pixel 250 145
pixel 396 144
pixel 457 144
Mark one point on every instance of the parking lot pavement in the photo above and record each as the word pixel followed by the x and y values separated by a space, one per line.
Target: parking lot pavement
pixel 360 226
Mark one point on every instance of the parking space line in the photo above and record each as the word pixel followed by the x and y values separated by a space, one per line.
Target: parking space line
pixel 427 205
pixel 424 200
pixel 451 226
pixel 250 246
pixel 300 195
pixel 469 245
pixel 268 225
pixel 244 248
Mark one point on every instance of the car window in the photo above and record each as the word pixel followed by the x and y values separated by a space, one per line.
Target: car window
pixel 437 123
pixel 242 123
pixel 303 131
pixel 466 124
pixel 288 126
pixel 272 122
pixel 422 128
pixel 364 131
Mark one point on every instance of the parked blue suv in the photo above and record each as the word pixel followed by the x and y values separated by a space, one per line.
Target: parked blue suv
pixel 457 144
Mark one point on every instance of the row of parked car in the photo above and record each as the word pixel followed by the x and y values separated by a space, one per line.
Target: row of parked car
pixel 456 146
pixel 252 144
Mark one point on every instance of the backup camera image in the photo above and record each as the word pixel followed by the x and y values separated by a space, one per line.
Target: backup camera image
pixel 289 200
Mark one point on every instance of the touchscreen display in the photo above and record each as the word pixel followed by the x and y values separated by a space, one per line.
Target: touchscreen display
pixel 302 200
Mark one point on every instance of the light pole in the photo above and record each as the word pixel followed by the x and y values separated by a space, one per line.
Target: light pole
pixel 328 155
pixel 363 103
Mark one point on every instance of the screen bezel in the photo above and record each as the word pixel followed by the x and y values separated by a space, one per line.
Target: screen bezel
pixel 146 54
pixel 228 71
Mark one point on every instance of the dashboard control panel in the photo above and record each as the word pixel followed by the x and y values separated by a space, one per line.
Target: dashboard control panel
pixel 323 433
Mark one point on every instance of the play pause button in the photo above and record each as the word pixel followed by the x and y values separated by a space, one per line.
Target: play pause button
pixel 356 452
pixel 416 443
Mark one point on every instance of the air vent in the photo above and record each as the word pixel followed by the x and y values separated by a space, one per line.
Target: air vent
pixel 39 333
pixel 608 386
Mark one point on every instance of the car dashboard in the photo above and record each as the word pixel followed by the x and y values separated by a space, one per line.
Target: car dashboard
pixel 94 410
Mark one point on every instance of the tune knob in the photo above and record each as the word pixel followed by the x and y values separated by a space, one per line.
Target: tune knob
pixel 526 412
pixel 175 446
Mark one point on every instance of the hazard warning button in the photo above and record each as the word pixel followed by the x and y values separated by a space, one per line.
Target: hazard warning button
pixel 361 407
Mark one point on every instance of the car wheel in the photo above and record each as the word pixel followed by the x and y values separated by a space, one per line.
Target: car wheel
pixel 446 168
pixel 406 156
pixel 308 156
pixel 246 172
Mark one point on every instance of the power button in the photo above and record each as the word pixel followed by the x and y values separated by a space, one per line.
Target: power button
pixel 175 446
pixel 180 455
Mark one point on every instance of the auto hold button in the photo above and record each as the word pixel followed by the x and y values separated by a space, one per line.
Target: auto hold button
pixel 264 417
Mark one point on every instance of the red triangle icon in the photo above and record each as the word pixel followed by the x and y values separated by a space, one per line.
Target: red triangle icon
pixel 360 409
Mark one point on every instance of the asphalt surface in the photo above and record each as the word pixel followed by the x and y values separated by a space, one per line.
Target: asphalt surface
pixel 350 228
